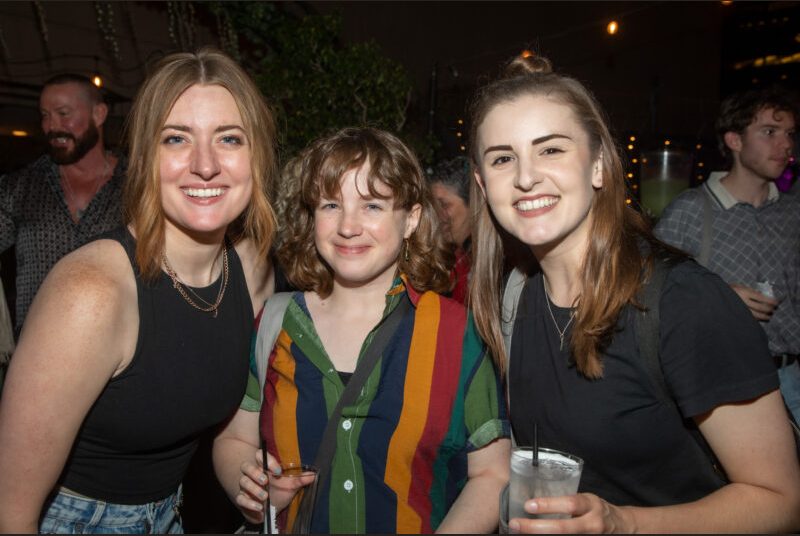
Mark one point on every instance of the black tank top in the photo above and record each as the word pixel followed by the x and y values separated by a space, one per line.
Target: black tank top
pixel 188 373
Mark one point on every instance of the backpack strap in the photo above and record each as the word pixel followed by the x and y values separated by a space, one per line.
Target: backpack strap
pixel 268 331
pixel 508 314
pixel 648 337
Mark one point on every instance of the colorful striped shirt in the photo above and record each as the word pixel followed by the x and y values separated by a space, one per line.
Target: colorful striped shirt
pixel 401 453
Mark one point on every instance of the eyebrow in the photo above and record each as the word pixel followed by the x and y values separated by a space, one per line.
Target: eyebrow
pixel 184 128
pixel 536 141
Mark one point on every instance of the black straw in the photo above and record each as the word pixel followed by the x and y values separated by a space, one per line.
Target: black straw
pixel 535 456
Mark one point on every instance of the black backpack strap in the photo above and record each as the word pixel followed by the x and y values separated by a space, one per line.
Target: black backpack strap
pixel 648 336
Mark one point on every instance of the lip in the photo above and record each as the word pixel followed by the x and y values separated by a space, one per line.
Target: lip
pixel 532 206
pixel 59 142
pixel 350 250
pixel 204 194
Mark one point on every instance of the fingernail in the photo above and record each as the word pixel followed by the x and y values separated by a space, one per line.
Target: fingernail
pixel 513 526
pixel 262 494
pixel 263 479
pixel 531 507
pixel 278 471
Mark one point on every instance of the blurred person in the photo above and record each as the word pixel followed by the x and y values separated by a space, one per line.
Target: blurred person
pixel 450 182
pixel 67 196
pixel 740 226
pixel 549 178
pixel 138 342
pixel 424 446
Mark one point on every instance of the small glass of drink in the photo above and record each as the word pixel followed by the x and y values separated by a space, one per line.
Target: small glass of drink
pixel 556 474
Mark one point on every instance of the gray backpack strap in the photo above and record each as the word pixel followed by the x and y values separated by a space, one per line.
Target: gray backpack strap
pixel 708 219
pixel 268 330
pixel 511 294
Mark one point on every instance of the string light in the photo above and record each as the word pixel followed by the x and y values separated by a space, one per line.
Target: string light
pixel 97 81
pixel 667 143
pixel 630 147
pixel 612 27
pixel 632 138
pixel 460 121
pixel 19 133
pixel 635 160
pixel 698 146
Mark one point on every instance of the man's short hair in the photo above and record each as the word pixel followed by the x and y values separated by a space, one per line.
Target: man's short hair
pixel 93 93
pixel 740 109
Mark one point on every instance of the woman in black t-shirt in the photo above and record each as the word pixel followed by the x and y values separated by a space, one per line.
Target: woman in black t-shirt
pixel 550 182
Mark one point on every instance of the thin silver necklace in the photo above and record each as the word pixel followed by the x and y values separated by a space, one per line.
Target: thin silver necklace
pixel 561 332
pixel 79 212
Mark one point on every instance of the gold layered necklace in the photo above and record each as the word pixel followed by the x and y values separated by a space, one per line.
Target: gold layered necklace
pixel 179 286
pixel 561 332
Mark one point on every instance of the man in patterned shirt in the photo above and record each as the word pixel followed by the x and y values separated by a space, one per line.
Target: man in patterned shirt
pixel 64 198
pixel 740 226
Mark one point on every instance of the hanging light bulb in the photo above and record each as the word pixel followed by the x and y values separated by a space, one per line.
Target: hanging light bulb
pixel 97 81
pixel 612 27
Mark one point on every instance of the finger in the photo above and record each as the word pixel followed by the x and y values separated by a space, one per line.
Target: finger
pixel 248 503
pixel 254 473
pixel 519 525
pixel 273 465
pixel 568 504
pixel 252 489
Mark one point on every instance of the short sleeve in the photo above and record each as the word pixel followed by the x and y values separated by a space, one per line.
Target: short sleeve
pixel 712 349
pixel 485 414
pixel 8 231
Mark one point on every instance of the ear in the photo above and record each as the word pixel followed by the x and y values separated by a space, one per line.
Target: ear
pixel 99 113
pixel 733 140
pixel 479 180
pixel 412 220
pixel 597 172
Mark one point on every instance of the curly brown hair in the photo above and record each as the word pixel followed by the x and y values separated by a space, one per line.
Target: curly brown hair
pixel 391 162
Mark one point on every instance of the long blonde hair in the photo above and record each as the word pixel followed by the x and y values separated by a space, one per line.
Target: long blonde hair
pixel 173 75
pixel 612 257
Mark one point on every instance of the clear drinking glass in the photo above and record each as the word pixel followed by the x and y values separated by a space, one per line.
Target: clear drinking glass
pixel 556 474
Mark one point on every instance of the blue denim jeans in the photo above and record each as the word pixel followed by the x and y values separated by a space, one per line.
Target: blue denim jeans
pixel 70 513
pixel 789 377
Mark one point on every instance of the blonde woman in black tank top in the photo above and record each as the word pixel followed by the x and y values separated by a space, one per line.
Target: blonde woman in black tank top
pixel 138 343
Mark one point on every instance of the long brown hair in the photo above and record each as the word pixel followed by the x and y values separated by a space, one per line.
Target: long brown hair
pixel 320 171
pixel 173 75
pixel 612 257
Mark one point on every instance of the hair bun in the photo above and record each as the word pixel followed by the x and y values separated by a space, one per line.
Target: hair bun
pixel 526 64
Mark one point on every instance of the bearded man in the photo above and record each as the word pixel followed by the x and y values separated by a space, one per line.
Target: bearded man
pixel 67 196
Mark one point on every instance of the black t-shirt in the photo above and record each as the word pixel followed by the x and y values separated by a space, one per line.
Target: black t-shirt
pixel 636 449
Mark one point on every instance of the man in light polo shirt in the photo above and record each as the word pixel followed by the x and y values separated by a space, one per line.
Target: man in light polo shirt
pixel 741 227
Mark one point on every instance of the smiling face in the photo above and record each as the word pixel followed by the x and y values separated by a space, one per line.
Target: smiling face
pixel 538 172
pixel 204 162
pixel 359 236
pixel 70 121
pixel 763 149
pixel 453 213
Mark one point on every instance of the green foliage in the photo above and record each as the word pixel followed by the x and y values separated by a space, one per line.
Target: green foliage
pixel 315 83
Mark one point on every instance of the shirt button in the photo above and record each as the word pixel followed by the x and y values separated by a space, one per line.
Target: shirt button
pixel 348 485
pixel 347 424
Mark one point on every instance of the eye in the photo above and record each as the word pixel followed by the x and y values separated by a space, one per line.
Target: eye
pixel 500 160
pixel 551 151
pixel 232 139
pixel 328 205
pixel 769 131
pixel 172 139
pixel 374 206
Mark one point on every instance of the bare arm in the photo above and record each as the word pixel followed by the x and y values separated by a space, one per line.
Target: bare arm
pixel 477 508
pixel 236 465
pixel 77 335
pixel 754 443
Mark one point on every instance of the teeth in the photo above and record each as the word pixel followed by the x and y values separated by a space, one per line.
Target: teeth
pixel 203 192
pixel 533 204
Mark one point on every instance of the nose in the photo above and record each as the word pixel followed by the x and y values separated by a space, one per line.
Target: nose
pixel 50 123
pixel 205 163
pixel 528 175
pixel 786 143
pixel 349 224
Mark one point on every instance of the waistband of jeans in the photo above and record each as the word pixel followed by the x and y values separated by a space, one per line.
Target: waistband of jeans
pixel 783 360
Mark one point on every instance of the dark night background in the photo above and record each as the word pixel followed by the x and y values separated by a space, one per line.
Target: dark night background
pixel 660 77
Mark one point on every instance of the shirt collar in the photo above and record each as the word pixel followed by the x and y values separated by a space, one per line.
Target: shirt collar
pixel 725 198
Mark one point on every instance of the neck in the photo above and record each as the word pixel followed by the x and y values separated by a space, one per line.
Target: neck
pixel 196 259
pixel 746 186
pixel 562 269
pixel 92 163
pixel 347 297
